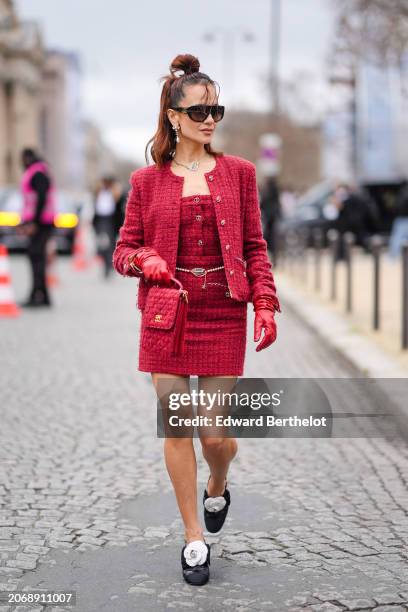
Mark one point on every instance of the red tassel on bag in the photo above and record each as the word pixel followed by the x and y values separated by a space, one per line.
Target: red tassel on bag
pixel 180 324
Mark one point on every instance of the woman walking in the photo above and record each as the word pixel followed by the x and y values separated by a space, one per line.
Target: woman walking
pixel 193 218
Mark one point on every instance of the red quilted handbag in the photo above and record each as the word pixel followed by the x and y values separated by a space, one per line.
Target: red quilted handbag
pixel 166 309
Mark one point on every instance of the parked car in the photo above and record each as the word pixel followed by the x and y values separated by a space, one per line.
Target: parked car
pixel 314 210
pixel 65 223
pixel 362 215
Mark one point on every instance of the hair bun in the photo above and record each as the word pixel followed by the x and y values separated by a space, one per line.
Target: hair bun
pixel 185 64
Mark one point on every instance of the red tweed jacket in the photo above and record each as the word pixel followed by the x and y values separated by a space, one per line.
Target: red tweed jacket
pixel 152 218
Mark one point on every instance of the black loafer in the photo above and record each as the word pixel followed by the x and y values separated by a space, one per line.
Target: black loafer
pixel 214 520
pixel 196 575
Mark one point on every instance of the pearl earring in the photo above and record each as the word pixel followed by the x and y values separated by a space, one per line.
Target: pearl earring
pixel 176 128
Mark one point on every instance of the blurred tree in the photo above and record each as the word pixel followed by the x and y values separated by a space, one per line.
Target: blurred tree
pixel 374 29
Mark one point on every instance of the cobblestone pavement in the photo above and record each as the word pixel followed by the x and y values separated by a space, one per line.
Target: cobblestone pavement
pixel 86 503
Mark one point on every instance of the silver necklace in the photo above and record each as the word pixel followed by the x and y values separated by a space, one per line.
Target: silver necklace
pixel 193 166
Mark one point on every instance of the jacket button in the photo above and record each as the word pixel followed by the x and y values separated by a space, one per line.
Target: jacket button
pixel 196 199
pixel 227 293
pixel 218 198
pixel 227 247
pixel 231 271
pixel 211 178
pixel 244 273
pixel 222 221
pixel 200 242
pixel 198 217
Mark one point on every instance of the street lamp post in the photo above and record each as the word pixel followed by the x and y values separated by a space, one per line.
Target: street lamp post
pixel 351 83
pixel 275 52
pixel 228 36
pixel 6 21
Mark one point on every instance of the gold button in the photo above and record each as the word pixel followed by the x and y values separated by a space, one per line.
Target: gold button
pixel 222 221
pixel 227 247
pixel 218 198
pixel 231 271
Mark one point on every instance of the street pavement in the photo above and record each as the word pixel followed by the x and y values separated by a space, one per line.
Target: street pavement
pixel 318 525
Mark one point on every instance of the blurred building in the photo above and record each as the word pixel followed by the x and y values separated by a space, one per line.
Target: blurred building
pixel 99 158
pixel 366 129
pixel 21 61
pixel 40 107
pixel 381 151
pixel 337 158
pixel 61 130
pixel 300 150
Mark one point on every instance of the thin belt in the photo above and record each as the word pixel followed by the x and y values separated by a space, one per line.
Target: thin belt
pixel 199 271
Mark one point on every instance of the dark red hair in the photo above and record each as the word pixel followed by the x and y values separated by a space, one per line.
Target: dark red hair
pixel 164 142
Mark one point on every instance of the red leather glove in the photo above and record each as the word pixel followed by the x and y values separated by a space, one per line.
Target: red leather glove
pixel 148 261
pixel 264 308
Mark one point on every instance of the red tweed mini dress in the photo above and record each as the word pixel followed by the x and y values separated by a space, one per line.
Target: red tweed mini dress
pixel 216 328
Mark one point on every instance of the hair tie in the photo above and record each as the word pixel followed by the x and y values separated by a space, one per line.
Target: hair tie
pixel 182 73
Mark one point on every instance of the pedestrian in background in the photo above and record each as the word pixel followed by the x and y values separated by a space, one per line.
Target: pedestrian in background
pixel 357 213
pixel 108 218
pixel 37 221
pixel 271 213
pixel 288 201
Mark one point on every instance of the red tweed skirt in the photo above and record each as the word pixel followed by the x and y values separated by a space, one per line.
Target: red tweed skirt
pixel 216 328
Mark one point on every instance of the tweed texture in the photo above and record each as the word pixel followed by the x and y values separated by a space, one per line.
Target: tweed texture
pixel 215 333
pixel 152 218
pixel 161 307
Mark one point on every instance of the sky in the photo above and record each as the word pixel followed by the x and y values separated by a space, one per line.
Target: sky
pixel 126 46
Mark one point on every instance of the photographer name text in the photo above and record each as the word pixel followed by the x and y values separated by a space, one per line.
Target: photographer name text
pixel 261 420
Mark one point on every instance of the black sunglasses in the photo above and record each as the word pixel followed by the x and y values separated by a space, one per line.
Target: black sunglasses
pixel 200 112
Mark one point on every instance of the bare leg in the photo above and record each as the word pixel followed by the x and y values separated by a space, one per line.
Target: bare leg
pixel 218 450
pixel 180 458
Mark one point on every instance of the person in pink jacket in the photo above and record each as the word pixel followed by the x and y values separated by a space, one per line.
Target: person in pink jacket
pixel 37 221
pixel 194 215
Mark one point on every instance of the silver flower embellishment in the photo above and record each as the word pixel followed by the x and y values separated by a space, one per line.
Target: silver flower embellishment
pixel 215 504
pixel 195 553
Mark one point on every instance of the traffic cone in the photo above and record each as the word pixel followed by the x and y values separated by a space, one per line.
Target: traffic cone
pixel 52 278
pixel 8 306
pixel 79 261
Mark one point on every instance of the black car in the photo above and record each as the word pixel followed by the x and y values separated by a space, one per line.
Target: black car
pixel 314 211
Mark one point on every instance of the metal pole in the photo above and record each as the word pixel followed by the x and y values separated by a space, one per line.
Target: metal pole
pixel 355 128
pixel 275 48
pixel 278 250
pixel 349 240
pixel 376 243
pixel 304 254
pixel 231 35
pixel 300 256
pixel 280 256
pixel 333 238
pixel 318 241
pixel 228 55
pixel 405 295
pixel 291 247
pixel 228 61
